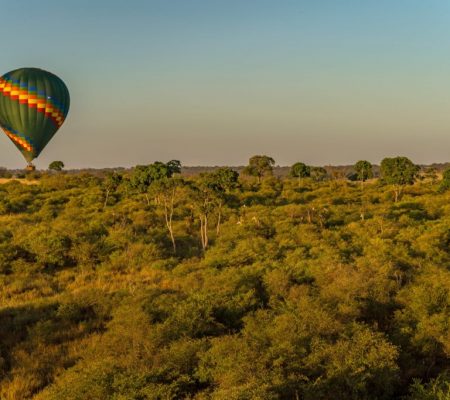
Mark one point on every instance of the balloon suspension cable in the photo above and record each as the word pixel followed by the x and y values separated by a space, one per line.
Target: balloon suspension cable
pixel 30 167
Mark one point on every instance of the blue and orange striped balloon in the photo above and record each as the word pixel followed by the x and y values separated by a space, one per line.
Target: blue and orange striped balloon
pixel 33 105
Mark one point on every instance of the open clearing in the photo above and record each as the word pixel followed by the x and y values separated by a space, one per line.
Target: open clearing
pixel 22 181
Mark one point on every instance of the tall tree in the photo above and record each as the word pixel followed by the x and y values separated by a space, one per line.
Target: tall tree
pixel 110 184
pixel 159 170
pixel 210 193
pixel 300 170
pixel 364 171
pixel 205 199
pixel 223 180
pixel 158 179
pixel 166 189
pixel 399 172
pixel 140 180
pixel 445 184
pixel 259 166
pixel 164 186
pixel 143 175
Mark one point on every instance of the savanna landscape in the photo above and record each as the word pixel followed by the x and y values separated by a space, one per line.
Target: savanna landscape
pixel 159 282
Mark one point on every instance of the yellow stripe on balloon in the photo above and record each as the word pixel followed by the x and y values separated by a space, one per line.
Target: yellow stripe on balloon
pixel 42 104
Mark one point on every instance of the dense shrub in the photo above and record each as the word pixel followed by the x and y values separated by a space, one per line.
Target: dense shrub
pixel 293 288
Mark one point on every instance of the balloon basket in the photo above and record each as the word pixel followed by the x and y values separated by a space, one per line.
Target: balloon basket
pixel 30 168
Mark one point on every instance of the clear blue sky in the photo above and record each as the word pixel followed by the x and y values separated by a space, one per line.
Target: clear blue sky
pixel 213 82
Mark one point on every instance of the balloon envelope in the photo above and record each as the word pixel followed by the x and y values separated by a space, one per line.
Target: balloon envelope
pixel 33 105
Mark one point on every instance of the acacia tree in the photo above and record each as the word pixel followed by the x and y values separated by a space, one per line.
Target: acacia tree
pixel 56 166
pixel 205 198
pixel 158 179
pixel 300 170
pixel 167 192
pixel 165 186
pixel 399 172
pixel 259 166
pixel 210 192
pixel 224 180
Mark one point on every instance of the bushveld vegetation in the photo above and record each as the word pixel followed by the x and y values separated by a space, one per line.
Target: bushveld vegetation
pixel 147 284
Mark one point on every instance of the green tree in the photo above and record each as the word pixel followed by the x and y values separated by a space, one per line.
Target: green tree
pixel 436 389
pixel 159 170
pixel 140 180
pixel 225 180
pixel 319 174
pixel 259 166
pixel 110 184
pixel 56 166
pixel 209 194
pixel 166 190
pixel 364 170
pixel 143 175
pixel 300 170
pixel 445 183
pixel 398 171
pixel 165 187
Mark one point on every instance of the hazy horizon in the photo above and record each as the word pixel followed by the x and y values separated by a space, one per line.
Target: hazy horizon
pixel 213 82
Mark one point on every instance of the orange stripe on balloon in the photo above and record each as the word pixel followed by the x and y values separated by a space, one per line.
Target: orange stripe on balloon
pixel 25 97
pixel 20 141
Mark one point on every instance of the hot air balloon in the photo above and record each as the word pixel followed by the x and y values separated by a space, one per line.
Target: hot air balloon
pixel 33 105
